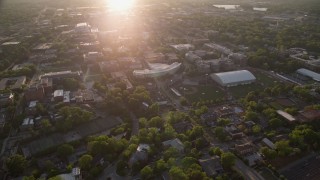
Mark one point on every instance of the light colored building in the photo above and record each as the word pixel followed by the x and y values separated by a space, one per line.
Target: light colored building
pixel 183 47
pixel 233 78
pixel 313 75
pixel 82 28
pixel 157 70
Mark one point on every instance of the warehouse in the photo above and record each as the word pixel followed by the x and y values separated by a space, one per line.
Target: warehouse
pixel 233 78
pixel 305 72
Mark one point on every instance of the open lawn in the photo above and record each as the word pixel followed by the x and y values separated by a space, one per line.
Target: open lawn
pixel 262 82
pixel 242 90
pixel 266 80
pixel 199 93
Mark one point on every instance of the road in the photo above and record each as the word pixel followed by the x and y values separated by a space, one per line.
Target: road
pixel 110 172
pixel 247 172
pixel 164 89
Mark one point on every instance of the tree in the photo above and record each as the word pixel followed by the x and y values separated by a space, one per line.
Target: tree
pixel 256 129
pixel 183 101
pixel 65 150
pixel 71 84
pixel 283 148
pixel 219 132
pixel 228 159
pixel 45 126
pixel 215 151
pixel 177 173
pixel 160 166
pixel 85 161
pixel 146 172
pixel 251 116
pixel 16 164
pixel 156 122
pixel 223 121
pixel 268 153
pixel 188 161
pixel 275 122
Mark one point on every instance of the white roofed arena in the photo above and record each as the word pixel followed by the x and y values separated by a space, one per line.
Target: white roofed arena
pixel 233 78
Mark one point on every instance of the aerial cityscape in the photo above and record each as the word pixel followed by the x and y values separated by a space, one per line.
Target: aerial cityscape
pixel 159 89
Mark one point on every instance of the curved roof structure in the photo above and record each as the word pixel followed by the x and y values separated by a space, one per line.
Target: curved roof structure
pixel 233 77
pixel 315 76
pixel 157 69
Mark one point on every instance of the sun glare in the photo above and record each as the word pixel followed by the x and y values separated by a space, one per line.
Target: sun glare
pixel 120 5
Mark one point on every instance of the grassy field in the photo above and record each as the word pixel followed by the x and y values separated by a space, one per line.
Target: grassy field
pixel 204 93
pixel 262 82
pixel 243 90
pixel 266 80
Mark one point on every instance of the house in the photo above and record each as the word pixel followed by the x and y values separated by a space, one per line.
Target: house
pixel 6 99
pixel 175 143
pixel 31 110
pixel 233 131
pixel 141 155
pixel 309 115
pixel 182 127
pixel 244 149
pixel 268 143
pixel 211 166
pixel 27 124
pixel 209 119
pixel 35 93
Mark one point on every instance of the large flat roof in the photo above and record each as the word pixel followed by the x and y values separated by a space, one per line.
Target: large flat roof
pixel 233 76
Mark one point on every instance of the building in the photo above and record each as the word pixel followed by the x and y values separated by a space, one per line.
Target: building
pixel 183 47
pixel 313 75
pixel 92 57
pixel 35 93
pixel 244 149
pixel 43 47
pixel 211 166
pixel 6 99
pixel 27 124
pixel 31 110
pixel 192 57
pixel 82 28
pixel 13 83
pixel 233 131
pixel 141 155
pixel 268 143
pixel 233 78
pixel 58 95
pixel 238 58
pixel 286 116
pixel 157 70
pixel 61 75
pixel 182 127
pixel 175 143
pixel 309 115
pixel 218 48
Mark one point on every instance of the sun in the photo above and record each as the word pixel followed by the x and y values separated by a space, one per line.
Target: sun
pixel 120 5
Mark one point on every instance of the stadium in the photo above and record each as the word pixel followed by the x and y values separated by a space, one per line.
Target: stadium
pixel 233 78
